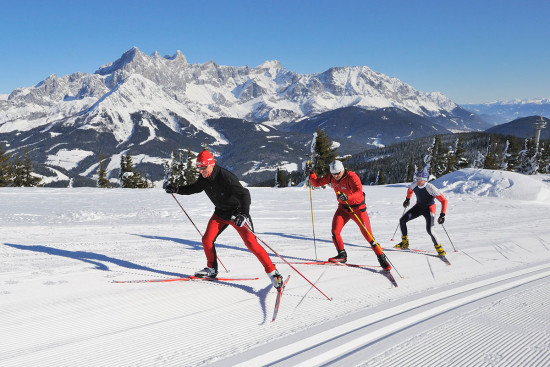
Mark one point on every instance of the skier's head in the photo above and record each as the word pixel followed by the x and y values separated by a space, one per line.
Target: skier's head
pixel 421 175
pixel 336 167
pixel 205 163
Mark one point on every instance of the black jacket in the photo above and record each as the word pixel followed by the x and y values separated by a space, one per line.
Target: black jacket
pixel 224 190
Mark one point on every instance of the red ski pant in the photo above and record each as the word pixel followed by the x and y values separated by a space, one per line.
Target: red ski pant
pixel 341 217
pixel 216 225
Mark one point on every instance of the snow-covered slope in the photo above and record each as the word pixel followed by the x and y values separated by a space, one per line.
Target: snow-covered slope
pixel 60 307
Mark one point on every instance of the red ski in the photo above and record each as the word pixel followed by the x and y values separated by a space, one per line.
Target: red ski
pixel 278 300
pixel 182 280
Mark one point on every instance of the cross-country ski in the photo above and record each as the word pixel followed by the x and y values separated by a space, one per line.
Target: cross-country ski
pixel 280 291
pixel 184 279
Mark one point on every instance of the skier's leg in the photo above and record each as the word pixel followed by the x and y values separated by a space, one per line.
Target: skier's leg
pixel 252 244
pixel 339 220
pixel 429 215
pixel 215 226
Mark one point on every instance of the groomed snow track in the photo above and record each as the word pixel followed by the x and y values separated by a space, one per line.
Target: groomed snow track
pixel 362 338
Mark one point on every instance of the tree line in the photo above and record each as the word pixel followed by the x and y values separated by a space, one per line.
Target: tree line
pixel 440 154
pixel 16 171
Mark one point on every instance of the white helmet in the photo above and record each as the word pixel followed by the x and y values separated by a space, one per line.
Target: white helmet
pixel 336 167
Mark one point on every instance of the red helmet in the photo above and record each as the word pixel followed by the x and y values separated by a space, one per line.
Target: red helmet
pixel 205 159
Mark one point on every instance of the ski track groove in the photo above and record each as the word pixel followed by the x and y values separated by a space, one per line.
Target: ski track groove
pixel 515 337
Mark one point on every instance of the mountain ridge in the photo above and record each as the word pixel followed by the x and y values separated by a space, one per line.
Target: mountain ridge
pixel 136 96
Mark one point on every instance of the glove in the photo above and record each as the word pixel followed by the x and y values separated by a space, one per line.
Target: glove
pixel 308 169
pixel 171 189
pixel 342 197
pixel 240 219
pixel 441 218
pixel 406 203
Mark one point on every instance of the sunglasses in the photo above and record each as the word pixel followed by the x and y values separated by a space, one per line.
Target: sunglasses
pixel 202 168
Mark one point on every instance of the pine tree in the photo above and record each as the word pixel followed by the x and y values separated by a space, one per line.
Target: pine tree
pixel 529 158
pixel 126 171
pixel 102 180
pixel 6 171
pixel 460 153
pixel 28 179
pixel 324 153
pixel 512 155
pixel 410 171
pixel 129 178
pixel 492 156
pixel 381 178
pixel 437 159
pixel 544 163
pixel 281 180
pixel 18 170
pixel 191 173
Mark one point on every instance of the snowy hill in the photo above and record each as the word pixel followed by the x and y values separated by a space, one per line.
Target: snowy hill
pixel 60 306
pixel 150 105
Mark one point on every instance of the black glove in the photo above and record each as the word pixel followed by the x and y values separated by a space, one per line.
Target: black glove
pixel 240 219
pixel 441 218
pixel 342 197
pixel 171 189
pixel 406 203
pixel 308 168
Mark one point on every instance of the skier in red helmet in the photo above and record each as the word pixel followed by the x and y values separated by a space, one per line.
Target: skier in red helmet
pixel 351 205
pixel 232 208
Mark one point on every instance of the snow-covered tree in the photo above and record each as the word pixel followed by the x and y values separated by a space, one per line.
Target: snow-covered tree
pixel 528 158
pixel 6 171
pixel 102 180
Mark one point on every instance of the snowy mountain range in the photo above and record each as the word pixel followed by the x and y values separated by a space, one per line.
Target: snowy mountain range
pixel 149 106
pixel 500 112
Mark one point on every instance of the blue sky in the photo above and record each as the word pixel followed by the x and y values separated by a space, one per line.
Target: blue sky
pixel 471 51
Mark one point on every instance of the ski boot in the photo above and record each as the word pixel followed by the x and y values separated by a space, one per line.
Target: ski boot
pixel 404 244
pixel 207 273
pixel 440 250
pixel 383 260
pixel 342 257
pixel 276 279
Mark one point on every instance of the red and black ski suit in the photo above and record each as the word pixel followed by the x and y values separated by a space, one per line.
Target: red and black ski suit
pixel 349 184
pixel 229 198
pixel 425 206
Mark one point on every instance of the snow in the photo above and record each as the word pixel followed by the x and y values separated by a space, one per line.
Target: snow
pixel 60 307
pixel 68 159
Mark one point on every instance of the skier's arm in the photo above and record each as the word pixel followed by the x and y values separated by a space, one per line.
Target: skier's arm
pixel 319 181
pixel 241 193
pixel 356 194
pixel 443 200
pixel 194 188
pixel 434 191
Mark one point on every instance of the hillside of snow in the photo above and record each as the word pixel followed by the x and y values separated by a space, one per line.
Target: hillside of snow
pixel 63 249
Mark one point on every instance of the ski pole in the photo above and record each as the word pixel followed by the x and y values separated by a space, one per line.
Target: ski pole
pixel 449 237
pixel 289 264
pixel 191 220
pixel 365 227
pixel 312 223
pixel 397 226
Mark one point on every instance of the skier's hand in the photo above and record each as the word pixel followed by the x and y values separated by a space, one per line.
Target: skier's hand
pixel 240 219
pixel 441 218
pixel 171 189
pixel 342 197
pixel 406 203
